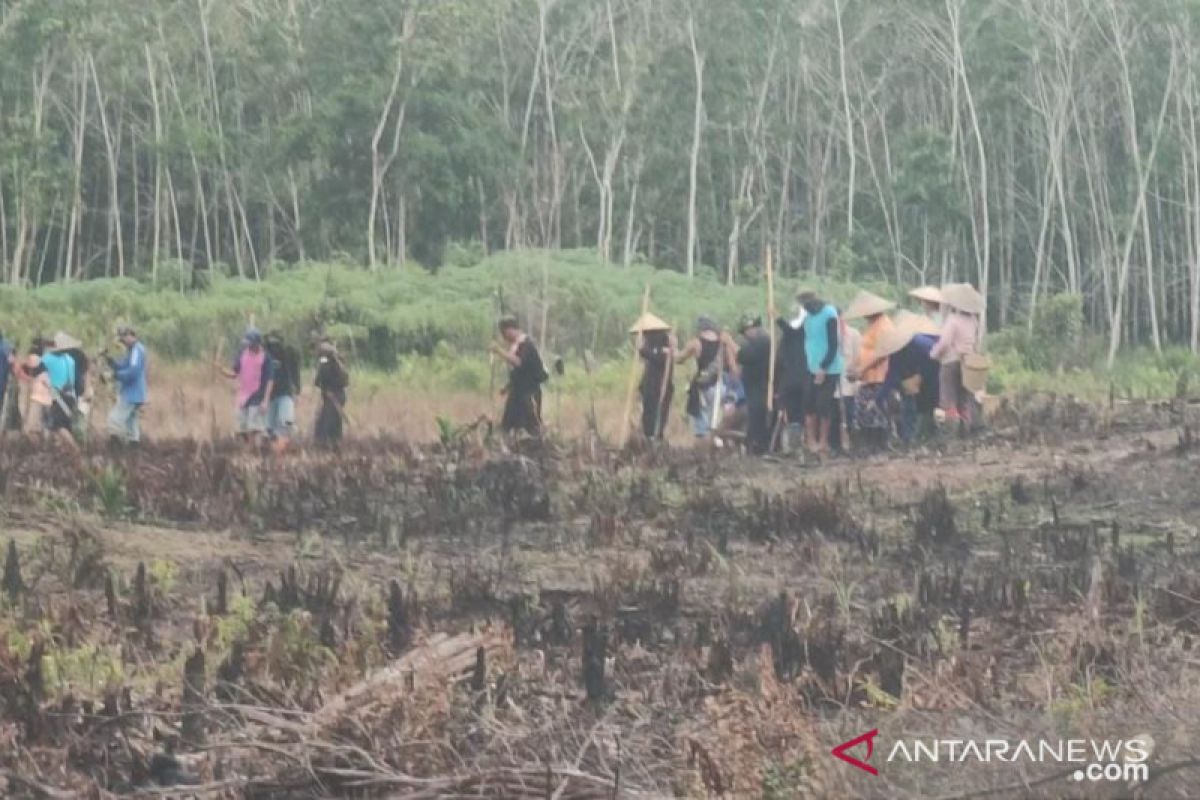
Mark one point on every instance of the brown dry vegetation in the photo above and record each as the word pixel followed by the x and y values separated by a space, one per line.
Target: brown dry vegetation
pixel 558 619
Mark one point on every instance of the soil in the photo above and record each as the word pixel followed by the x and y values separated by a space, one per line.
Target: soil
pixel 652 623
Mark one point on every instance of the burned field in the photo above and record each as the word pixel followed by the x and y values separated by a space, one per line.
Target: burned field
pixel 465 621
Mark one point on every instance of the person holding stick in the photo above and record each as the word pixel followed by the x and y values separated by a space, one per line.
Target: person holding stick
pixel 657 387
pixel 331 382
pixel 754 367
pixel 526 374
pixel 713 350
pixel 130 375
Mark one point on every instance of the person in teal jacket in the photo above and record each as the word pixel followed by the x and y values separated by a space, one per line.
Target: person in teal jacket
pixel 130 375
pixel 823 351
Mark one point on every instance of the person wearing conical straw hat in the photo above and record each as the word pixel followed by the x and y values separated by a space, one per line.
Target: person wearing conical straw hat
pixel 870 407
pixel 526 374
pixel 958 337
pixel 657 387
pixel 714 350
pixel 930 299
pixel 59 368
pixel 912 372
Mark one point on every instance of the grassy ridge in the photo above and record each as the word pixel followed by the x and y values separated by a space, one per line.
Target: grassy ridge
pixel 430 329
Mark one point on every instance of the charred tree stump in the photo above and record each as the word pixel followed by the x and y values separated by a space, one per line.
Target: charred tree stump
pixel 141 597
pixel 399 622
pixel 719 668
pixel 12 584
pixel 558 633
pixel 964 622
pixel 192 727
pixel 595 652
pixel 479 674
pixel 221 608
pixel 230 672
pixel 110 597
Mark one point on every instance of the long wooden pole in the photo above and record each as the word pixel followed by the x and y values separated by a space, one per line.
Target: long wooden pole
pixel 633 364
pixel 771 329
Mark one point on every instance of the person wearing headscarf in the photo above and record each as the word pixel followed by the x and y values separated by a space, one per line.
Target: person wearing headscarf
pixel 331 381
pixel 35 384
pixel 254 371
pixel 657 387
pixel 822 349
pixel 791 369
pixel 523 394
pixel 130 374
pixel 754 360
pixel 713 351
pixel 281 405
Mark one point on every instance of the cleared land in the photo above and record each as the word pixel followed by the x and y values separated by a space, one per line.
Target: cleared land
pixel 563 620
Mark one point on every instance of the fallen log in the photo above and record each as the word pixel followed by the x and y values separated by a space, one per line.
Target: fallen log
pixel 438 659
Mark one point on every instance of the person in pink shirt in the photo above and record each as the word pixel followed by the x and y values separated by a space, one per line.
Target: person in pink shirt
pixel 254 370
pixel 959 337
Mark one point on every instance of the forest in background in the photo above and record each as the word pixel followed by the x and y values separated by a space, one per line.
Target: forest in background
pixel 1034 147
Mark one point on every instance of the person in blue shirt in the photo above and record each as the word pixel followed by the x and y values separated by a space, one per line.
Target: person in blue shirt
pixel 911 361
pixel 823 352
pixel 60 369
pixel 7 406
pixel 130 374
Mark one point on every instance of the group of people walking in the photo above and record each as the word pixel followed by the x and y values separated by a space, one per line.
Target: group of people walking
pixel 50 391
pixel 819 381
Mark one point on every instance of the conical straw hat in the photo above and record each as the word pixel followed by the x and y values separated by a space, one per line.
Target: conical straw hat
pixel 919 323
pixel 930 294
pixel 868 304
pixel 894 339
pixel 64 341
pixel 648 322
pixel 963 297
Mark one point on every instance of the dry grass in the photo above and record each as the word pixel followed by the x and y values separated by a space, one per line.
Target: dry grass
pixel 188 401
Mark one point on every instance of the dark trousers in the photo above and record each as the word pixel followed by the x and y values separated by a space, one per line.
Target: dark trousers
pixel 758 422
pixel 654 413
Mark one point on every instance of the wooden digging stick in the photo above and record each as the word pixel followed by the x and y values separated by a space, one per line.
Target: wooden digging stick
pixel 771 328
pixel 623 438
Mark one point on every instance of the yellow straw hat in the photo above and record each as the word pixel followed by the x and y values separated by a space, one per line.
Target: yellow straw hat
pixel 648 322
pixel 919 323
pixel 930 294
pixel 963 297
pixel 868 304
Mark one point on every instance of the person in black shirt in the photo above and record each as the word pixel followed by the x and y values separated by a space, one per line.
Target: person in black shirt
pixel 791 377
pixel 658 384
pixel 523 394
pixel 754 359
pixel 331 382
pixel 281 408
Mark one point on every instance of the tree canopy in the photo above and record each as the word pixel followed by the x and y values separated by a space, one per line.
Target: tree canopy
pixel 1030 146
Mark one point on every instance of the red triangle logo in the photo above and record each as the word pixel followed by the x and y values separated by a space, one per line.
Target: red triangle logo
pixel 869 738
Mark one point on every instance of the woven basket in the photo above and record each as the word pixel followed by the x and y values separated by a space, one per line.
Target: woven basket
pixel 975 368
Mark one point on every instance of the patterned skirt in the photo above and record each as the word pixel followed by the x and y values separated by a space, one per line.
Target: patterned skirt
pixel 870 407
